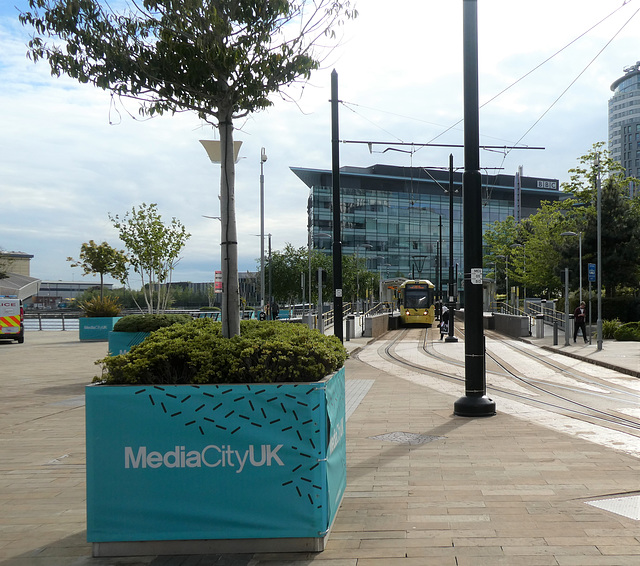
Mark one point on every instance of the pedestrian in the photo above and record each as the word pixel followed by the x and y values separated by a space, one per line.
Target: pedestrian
pixel 444 322
pixel 579 317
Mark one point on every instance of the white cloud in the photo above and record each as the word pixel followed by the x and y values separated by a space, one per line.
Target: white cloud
pixel 68 158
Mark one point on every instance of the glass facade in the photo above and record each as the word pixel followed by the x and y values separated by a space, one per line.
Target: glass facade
pixel 397 218
pixel 624 120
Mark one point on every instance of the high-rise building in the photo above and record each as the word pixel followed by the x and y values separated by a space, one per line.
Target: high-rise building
pixel 397 218
pixel 624 120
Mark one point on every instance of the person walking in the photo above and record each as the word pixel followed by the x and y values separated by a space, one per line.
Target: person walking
pixel 444 322
pixel 579 317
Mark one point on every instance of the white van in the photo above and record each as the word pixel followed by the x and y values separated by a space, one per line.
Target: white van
pixel 11 319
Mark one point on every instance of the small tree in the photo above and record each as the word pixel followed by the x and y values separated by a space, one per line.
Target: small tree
pixel 101 259
pixel 219 58
pixel 153 250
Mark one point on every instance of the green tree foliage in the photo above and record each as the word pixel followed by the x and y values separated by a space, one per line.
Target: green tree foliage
pixel 219 58
pixel 267 352
pixel 620 238
pixel 536 251
pixel 548 252
pixel 289 265
pixel 154 250
pixel 582 182
pixel 101 259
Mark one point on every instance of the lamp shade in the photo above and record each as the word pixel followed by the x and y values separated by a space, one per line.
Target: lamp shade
pixel 213 150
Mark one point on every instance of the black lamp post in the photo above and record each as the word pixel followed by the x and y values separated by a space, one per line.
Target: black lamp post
pixel 452 289
pixel 475 402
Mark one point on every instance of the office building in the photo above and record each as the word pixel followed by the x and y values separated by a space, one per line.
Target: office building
pixel 624 120
pixel 393 217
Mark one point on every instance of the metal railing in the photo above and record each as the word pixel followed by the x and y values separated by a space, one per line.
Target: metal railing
pixel 550 315
pixel 328 317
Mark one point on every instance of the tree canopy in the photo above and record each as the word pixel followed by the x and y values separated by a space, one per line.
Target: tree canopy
pixel 154 249
pixel 548 242
pixel 101 259
pixel 219 58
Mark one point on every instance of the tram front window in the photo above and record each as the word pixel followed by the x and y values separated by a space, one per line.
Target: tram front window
pixel 417 300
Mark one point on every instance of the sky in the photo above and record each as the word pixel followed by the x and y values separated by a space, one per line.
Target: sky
pixel 70 155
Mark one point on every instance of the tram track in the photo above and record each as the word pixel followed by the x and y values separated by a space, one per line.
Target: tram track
pixel 570 393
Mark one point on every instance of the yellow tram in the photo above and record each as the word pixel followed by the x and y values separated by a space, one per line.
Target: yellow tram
pixel 416 298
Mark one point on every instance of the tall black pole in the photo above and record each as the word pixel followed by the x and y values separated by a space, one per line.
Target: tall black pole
pixel 451 287
pixel 475 402
pixel 337 239
pixel 440 266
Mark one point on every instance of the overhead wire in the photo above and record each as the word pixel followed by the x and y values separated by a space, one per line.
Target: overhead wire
pixel 350 105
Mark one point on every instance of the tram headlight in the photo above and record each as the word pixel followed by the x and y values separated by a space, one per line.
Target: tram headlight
pixel 407 313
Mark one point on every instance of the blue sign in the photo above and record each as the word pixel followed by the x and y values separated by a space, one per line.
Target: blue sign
pixel 188 462
pixel 592 272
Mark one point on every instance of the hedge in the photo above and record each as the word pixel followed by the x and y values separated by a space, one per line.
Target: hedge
pixel 628 332
pixel 149 322
pixel 197 353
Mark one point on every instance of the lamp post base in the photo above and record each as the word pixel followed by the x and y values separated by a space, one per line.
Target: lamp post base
pixel 450 339
pixel 479 406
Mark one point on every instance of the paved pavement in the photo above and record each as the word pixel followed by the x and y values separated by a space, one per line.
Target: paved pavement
pixel 424 487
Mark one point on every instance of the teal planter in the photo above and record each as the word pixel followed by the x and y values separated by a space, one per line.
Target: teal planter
pixel 121 342
pixel 216 468
pixel 97 327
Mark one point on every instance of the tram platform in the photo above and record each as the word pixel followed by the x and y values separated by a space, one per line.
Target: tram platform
pixel 425 487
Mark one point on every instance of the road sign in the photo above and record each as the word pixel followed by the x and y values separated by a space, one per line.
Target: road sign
pixel 592 272
pixel 476 275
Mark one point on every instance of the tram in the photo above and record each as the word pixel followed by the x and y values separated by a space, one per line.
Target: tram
pixel 416 302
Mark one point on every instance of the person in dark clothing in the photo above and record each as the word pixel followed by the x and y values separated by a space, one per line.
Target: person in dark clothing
pixel 579 317
pixel 444 322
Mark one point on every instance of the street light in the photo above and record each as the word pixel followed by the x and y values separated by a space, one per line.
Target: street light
pixel 229 244
pixel 506 275
pixel 524 271
pixel 263 158
pixel 579 234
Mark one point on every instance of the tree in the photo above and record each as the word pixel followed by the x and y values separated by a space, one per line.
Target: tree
pixel 536 241
pixel 101 259
pixel 620 238
pixel 582 183
pixel 219 58
pixel 153 250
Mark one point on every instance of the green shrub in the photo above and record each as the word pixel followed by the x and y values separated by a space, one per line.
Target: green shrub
pixel 107 306
pixel 609 328
pixel 197 353
pixel 149 322
pixel 628 332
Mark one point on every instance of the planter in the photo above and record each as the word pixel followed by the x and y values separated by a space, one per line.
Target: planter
pixel 184 469
pixel 121 342
pixel 97 327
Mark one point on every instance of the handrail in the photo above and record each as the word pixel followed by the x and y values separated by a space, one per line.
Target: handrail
pixel 551 315
pixel 328 317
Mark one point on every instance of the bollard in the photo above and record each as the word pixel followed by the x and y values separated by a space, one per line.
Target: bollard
pixel 350 322
pixel 540 326
pixel 555 333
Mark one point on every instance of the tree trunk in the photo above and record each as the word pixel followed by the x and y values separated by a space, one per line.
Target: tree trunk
pixel 229 236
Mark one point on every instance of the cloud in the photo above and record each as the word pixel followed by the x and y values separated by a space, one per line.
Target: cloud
pixel 70 155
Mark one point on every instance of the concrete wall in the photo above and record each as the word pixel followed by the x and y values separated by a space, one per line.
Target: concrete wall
pixel 376 325
pixel 511 325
